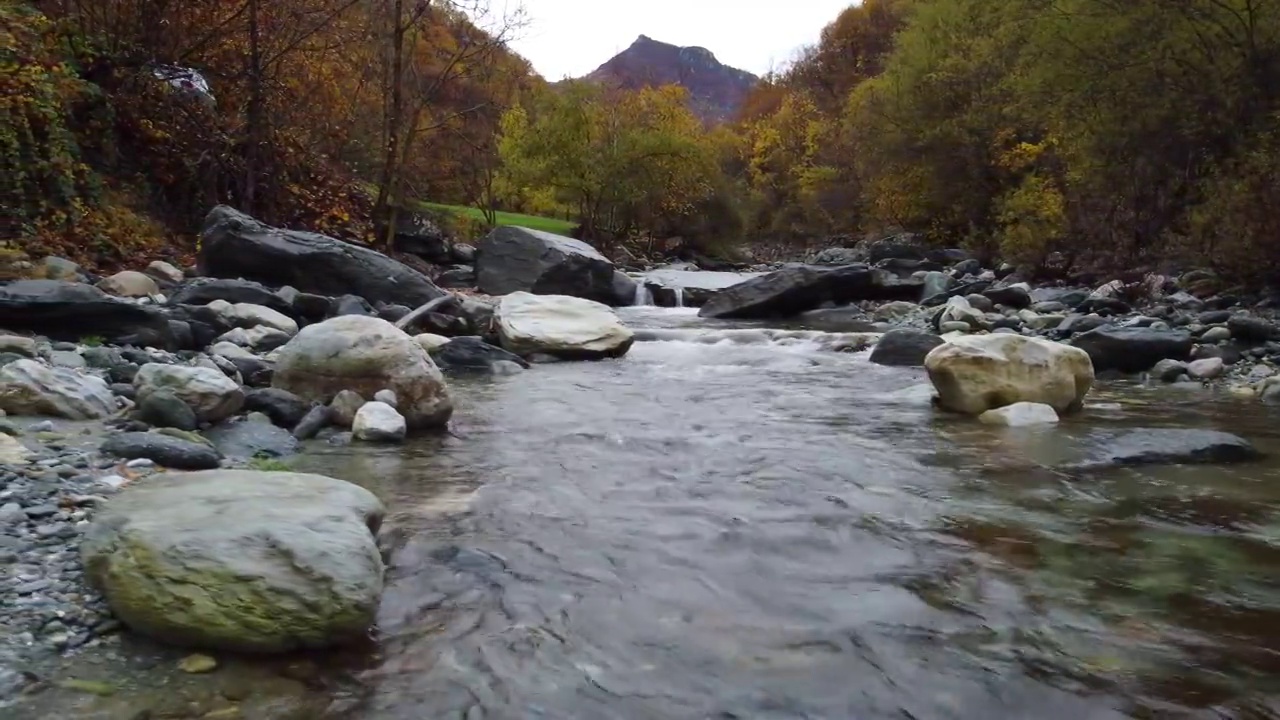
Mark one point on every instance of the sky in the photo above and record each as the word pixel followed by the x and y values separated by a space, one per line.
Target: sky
pixel 570 38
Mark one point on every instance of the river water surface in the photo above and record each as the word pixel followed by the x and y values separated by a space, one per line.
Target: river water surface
pixel 734 525
pixel 746 524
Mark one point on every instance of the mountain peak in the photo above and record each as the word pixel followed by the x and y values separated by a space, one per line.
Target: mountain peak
pixel 716 91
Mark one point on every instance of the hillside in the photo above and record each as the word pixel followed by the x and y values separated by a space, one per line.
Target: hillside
pixel 716 90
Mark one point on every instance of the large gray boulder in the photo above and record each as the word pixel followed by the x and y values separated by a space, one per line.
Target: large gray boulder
pixel 791 291
pixel 74 311
pixel 240 560
pixel 364 354
pixel 514 259
pixel 234 245
pixel 1133 349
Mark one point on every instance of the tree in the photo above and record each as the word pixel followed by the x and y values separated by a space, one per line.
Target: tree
pixel 621 160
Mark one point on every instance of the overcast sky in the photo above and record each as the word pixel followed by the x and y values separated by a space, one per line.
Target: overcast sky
pixel 573 37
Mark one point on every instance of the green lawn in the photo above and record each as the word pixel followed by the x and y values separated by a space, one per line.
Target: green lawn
pixel 533 222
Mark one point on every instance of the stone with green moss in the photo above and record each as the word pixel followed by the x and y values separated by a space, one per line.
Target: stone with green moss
pixel 240 560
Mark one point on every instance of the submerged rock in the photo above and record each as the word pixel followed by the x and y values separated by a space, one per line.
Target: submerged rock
pixel 904 347
pixel 240 560
pixel 974 374
pixel 1165 446
pixel 565 327
pixel 1020 414
pixel 514 259
pixel 364 355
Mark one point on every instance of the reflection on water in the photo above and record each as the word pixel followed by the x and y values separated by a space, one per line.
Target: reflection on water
pixel 714 527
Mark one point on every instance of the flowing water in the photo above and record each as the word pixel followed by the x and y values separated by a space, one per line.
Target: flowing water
pixel 737 522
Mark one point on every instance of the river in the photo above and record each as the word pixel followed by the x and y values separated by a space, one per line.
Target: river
pixel 753 525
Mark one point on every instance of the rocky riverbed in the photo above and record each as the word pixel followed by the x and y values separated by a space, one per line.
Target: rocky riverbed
pixel 152 416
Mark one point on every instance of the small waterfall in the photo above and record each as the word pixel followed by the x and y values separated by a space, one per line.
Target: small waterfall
pixel 643 296
pixel 679 291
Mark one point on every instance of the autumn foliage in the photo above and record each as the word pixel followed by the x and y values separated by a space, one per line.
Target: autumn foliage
pixel 1100 134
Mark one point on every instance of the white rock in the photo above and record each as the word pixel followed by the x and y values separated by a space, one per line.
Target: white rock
pixel 385 396
pixel 344 406
pixel 254 337
pixel 162 270
pixel 210 393
pixel 1206 369
pixel 378 422
pixel 28 387
pixel 129 283
pixel 977 373
pixel 959 309
pixel 19 345
pixel 365 355
pixel 1020 414
pixel 12 452
pixel 1215 335
pixel 248 315
pixel 231 351
pixel 430 341
pixel 560 326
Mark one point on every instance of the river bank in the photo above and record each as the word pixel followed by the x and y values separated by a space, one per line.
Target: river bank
pixel 731 516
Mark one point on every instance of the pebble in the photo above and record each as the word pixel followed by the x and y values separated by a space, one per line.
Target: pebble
pixel 45 606
pixel 196 664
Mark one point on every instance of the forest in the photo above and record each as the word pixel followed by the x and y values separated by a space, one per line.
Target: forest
pixel 1053 134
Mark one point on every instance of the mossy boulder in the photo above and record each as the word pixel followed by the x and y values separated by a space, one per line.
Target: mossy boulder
pixel 364 355
pixel 239 560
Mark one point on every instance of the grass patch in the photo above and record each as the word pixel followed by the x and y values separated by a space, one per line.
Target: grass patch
pixel 533 222
pixel 264 464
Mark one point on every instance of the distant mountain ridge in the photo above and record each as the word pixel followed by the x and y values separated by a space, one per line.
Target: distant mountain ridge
pixel 716 90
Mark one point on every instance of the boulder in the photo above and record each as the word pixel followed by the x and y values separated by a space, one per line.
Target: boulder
pixel 364 355
pixel 1132 349
pixel 378 422
pixel 239 560
pixel 203 291
pixel 29 388
pixel 73 311
pixel 788 292
pixel 904 347
pixel 253 436
pixel 566 327
pixel 166 450
pixel 164 272
pixel 283 407
pixel 514 259
pixel 234 245
pixel 471 354
pixel 625 289
pixel 163 408
pixel 251 315
pixel 210 393
pixel 418 233
pixel 129 283
pixel 974 374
